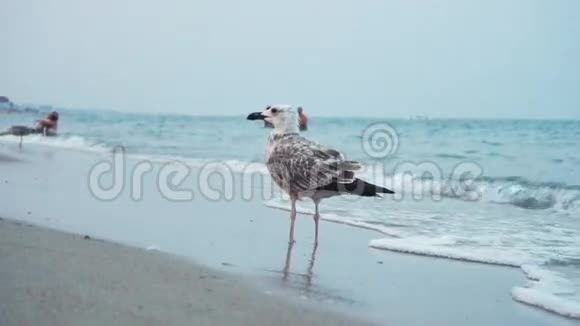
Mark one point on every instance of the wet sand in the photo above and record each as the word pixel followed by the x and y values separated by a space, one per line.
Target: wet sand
pixel 53 278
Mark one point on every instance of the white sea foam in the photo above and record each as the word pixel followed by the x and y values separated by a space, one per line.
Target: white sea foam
pixel 547 301
pixel 444 247
pixel 535 273
pixel 71 142
pixel 514 191
pixel 153 247
pixel 224 166
pixel 548 290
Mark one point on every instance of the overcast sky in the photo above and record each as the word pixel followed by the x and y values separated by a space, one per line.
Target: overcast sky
pixel 514 58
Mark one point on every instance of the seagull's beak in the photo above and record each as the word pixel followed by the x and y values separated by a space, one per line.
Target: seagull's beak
pixel 256 116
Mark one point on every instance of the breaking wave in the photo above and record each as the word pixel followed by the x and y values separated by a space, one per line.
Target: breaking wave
pixel 514 190
pixel 65 142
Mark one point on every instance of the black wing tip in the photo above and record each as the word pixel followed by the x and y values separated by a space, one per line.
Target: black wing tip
pixel 371 190
pixel 386 191
pixel 357 187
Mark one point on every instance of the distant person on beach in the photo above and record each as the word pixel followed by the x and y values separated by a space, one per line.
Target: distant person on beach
pixel 47 127
pixel 302 120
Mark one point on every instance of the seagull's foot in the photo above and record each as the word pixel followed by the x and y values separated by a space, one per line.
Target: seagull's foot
pixel 291 242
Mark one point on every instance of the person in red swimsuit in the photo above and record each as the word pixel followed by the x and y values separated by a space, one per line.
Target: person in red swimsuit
pixel 302 119
pixel 48 125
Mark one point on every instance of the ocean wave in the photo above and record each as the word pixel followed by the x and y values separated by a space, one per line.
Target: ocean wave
pixel 453 156
pixel 492 143
pixel 529 183
pixel 496 154
pixel 512 190
pixel 65 142
pixel 526 194
pixel 574 262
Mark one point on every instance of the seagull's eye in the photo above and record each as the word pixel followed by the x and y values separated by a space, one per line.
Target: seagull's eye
pixel 274 110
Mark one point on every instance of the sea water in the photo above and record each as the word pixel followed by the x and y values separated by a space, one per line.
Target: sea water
pixel 490 191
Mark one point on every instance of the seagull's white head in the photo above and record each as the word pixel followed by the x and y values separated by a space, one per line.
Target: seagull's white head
pixel 282 117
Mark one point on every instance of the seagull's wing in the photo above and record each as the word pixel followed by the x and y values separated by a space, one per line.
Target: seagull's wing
pixel 300 165
pixel 332 157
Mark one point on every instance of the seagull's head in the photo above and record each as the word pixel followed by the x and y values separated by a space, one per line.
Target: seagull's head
pixel 282 117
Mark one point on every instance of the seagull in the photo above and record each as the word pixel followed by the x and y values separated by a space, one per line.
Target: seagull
pixel 305 169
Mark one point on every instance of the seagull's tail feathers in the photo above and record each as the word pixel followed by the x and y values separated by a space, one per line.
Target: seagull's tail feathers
pixel 365 189
pixel 357 187
pixel 346 171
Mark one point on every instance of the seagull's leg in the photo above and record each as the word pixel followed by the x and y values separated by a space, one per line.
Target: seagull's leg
pixel 316 218
pixel 286 270
pixel 292 218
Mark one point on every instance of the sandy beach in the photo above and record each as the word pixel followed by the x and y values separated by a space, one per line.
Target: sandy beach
pixel 251 277
pixel 54 278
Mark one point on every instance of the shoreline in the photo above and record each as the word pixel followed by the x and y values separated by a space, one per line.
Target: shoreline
pixel 249 240
pixel 54 278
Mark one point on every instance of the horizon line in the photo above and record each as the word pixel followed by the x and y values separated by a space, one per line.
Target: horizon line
pixel 410 117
